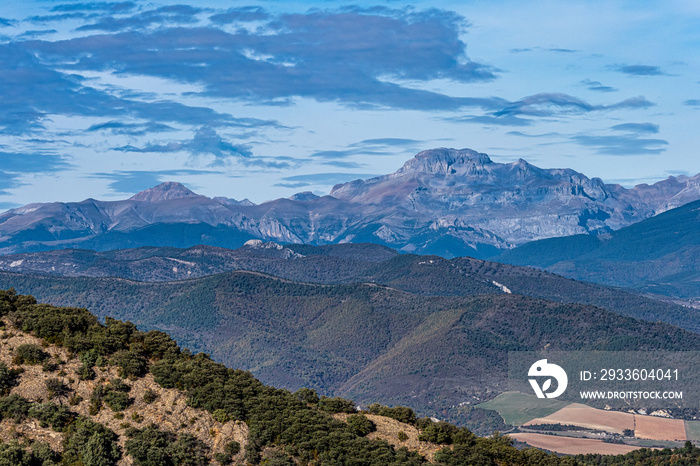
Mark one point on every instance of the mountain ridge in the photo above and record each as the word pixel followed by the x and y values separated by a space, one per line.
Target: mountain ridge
pixel 657 255
pixel 346 264
pixel 442 201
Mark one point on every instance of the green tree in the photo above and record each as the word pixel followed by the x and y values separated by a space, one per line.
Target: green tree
pixel 91 444
pixel 131 364
pixel 360 425
pixel 189 451
pixel 8 378
pixel 307 395
pixel 101 450
pixel 336 405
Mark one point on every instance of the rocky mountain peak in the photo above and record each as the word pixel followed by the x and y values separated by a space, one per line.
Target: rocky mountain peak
pixel 446 161
pixel 304 196
pixel 164 191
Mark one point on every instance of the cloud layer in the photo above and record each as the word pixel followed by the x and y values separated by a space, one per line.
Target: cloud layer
pixel 125 93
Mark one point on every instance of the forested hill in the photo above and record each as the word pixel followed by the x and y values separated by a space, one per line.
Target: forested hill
pixel 343 264
pixel 658 255
pixel 365 341
pixel 76 392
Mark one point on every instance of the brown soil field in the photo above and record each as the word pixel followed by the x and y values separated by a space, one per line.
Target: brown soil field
pixel 659 428
pixel 572 446
pixel 585 416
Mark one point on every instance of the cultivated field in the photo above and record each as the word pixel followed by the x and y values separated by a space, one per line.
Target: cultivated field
pixel 519 409
pixel 658 428
pixel 572 446
pixel 584 416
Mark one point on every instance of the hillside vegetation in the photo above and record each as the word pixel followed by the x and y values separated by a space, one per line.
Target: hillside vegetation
pixel 75 391
pixel 346 264
pixel 363 340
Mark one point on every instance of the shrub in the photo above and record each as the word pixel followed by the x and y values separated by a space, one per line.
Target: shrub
pixel 149 396
pixel 152 447
pixel 438 432
pixel 336 405
pixel 14 454
pixel 14 407
pixel 400 413
pixel 85 372
pixel 58 417
pixel 423 422
pixel 221 416
pixel 159 345
pixel 89 357
pixel 446 434
pixel 130 363
pixel 360 425
pixel 29 354
pixel 402 436
pixel 115 395
pixel 307 395
pixel 232 448
pixel 49 366
pixel 90 444
pixel 8 378
pixel 223 458
pixel 55 388
pixel 117 400
pixel 278 458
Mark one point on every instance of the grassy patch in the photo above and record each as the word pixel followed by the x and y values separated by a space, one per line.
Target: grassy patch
pixel 517 408
pixel 655 443
pixel 692 430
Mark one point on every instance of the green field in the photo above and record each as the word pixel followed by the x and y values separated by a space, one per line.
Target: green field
pixel 655 443
pixel 692 430
pixel 517 408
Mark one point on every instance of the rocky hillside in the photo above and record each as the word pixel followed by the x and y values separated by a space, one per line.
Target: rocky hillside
pixel 73 391
pixel 443 201
pixel 54 376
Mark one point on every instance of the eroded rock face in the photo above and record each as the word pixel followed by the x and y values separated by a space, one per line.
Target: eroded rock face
pixel 442 201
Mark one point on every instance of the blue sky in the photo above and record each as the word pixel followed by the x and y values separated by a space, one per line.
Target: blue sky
pixel 261 100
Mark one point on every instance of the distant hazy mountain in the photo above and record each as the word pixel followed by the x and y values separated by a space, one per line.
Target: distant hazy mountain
pixel 658 255
pixel 443 201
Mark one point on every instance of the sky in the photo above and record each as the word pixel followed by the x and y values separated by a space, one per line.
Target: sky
pixel 261 100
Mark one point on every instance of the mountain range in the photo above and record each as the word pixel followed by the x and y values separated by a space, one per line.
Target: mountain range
pixel 659 255
pixel 443 201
